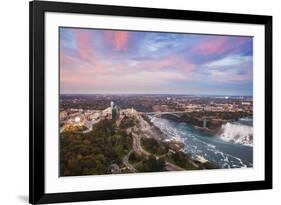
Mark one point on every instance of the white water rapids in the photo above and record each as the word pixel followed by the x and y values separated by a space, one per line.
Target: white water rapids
pixel 237 133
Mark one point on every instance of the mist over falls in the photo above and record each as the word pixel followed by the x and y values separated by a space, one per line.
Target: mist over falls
pixel 237 133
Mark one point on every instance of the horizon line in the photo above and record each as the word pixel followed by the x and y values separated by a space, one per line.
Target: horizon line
pixel 154 94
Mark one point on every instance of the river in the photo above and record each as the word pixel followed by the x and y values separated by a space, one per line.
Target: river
pixel 231 148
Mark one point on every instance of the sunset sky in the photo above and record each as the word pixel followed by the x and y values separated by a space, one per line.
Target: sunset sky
pixel 122 62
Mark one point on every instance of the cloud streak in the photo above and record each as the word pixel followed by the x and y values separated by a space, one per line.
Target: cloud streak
pixel 118 39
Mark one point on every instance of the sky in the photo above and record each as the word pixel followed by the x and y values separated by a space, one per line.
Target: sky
pixel 96 61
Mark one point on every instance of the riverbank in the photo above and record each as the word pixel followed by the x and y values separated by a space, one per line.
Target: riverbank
pixel 174 148
pixel 208 122
pixel 213 148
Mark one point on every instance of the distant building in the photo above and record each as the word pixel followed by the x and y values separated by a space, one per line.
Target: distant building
pixel 246 103
pixel 77 120
pixel 94 116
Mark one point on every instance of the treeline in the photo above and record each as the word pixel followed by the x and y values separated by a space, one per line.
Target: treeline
pixel 165 153
pixel 221 115
pixel 92 153
pixel 128 122
pixel 214 119
pixel 153 146
pixel 147 164
pixel 101 104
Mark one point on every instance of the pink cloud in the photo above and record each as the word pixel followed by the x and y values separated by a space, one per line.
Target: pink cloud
pixel 83 42
pixel 166 65
pixel 86 56
pixel 178 63
pixel 66 59
pixel 82 77
pixel 217 46
pixel 118 39
pixel 148 73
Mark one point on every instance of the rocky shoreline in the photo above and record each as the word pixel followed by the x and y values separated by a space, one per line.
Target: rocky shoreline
pixel 176 147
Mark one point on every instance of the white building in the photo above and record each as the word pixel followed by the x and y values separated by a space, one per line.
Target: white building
pixel 111 104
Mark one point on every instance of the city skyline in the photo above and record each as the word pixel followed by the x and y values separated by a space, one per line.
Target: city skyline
pixel 134 62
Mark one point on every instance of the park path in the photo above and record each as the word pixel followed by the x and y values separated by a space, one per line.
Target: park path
pixel 127 163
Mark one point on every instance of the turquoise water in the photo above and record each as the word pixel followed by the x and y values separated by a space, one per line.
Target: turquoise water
pixel 226 154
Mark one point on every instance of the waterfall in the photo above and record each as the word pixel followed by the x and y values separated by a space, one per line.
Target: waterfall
pixel 237 133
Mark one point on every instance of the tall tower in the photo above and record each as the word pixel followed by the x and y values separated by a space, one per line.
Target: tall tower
pixel 111 104
pixel 204 122
pixel 114 113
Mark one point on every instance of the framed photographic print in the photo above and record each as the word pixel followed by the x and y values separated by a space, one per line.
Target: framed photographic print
pixel 140 102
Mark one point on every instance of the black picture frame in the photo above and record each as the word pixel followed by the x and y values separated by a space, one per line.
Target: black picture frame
pixel 37 9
